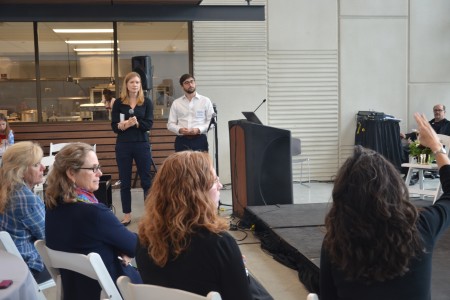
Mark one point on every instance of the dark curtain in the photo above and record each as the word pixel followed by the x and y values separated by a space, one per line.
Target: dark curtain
pixel 382 135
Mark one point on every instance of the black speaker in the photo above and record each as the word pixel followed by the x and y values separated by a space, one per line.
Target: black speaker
pixel 143 66
pixel 104 192
pixel 261 165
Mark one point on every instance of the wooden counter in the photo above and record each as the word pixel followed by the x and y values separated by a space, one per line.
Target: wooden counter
pixel 99 133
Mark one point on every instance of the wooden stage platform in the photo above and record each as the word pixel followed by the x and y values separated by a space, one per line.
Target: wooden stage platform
pixel 293 234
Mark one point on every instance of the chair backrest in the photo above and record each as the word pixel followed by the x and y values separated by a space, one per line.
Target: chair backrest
pixel 48 161
pixel 132 291
pixel 90 265
pixel 445 140
pixel 54 148
pixel 312 296
pixel 296 148
pixel 7 244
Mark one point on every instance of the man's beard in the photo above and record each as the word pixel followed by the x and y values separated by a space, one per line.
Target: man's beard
pixel 190 90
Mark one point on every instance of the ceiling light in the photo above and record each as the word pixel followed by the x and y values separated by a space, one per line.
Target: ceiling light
pixel 83 30
pixel 91 42
pixel 94 49
pixel 103 53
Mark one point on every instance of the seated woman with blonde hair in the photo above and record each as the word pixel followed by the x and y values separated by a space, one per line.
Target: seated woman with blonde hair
pixel 185 244
pixel 77 223
pixel 22 213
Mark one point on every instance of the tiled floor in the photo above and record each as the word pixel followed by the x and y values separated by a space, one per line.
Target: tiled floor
pixel 280 281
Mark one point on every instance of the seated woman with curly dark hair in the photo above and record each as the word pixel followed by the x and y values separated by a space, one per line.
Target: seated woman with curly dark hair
pixel 378 245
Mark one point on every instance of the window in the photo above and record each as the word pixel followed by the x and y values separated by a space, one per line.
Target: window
pixel 75 66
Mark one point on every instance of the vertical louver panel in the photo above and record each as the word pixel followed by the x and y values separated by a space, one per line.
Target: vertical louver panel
pixel 303 97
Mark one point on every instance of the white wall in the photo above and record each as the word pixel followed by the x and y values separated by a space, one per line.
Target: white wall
pixel 430 53
pixel 319 62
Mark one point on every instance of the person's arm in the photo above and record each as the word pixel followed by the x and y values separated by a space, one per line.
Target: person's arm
pixel 437 215
pixel 428 138
pixel 327 287
pixel 172 121
pixel 209 110
pixel 234 282
pixel 112 232
pixel 146 123
pixel 115 116
pixel 33 213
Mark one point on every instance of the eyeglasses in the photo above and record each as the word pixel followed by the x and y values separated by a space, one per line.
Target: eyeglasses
pixel 438 110
pixel 94 169
pixel 188 82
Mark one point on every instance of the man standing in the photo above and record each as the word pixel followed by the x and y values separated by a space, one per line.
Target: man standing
pixel 189 117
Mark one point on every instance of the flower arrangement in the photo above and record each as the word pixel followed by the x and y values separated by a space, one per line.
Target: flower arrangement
pixel 423 154
pixel 415 149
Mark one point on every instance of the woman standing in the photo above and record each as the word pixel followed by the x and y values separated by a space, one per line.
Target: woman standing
pixel 131 119
pixel 77 223
pixel 22 213
pixel 377 244
pixel 184 242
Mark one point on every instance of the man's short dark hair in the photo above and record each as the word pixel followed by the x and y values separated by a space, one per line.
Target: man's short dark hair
pixel 184 77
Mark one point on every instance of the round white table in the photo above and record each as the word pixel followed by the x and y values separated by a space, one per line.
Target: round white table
pixel 15 269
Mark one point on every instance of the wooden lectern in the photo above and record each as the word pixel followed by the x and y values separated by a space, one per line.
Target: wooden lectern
pixel 261 165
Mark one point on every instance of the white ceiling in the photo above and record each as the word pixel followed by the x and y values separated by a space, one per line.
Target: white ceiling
pixel 106 2
pixel 17 38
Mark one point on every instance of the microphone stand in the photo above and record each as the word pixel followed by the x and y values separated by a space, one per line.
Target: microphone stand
pixel 216 148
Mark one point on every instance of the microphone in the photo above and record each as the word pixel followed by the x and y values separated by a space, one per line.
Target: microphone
pixel 260 105
pixel 131 112
pixel 213 121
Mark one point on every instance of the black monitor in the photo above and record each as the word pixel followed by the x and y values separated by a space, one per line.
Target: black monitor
pixel 251 117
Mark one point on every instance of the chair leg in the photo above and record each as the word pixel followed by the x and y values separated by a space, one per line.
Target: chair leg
pixel 301 174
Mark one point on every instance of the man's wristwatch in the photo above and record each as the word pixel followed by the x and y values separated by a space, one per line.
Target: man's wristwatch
pixel 441 150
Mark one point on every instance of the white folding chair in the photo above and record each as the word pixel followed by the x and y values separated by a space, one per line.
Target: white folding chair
pixel 131 291
pixel 421 168
pixel 298 159
pixel 312 296
pixel 7 244
pixel 90 265
pixel 55 148
pixel 47 162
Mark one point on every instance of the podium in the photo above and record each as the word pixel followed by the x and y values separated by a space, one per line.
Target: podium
pixel 261 165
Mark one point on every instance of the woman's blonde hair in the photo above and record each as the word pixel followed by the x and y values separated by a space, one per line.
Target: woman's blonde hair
pixel 178 205
pixel 16 160
pixel 125 97
pixel 59 185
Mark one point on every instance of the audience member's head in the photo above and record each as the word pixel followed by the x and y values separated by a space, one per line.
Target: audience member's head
pixel 75 166
pixel 183 199
pixel 371 226
pixel 439 112
pixel 21 163
pixel 108 94
pixel 4 125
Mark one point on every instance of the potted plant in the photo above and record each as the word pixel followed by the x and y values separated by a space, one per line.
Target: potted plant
pixel 423 154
